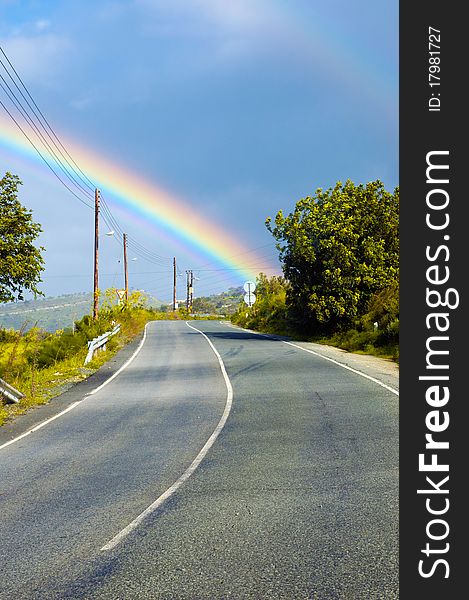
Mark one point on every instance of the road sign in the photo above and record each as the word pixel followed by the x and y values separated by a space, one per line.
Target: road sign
pixel 249 286
pixel 249 298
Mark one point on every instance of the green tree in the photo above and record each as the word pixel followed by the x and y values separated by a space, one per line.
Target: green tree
pixel 21 262
pixel 338 249
pixel 268 313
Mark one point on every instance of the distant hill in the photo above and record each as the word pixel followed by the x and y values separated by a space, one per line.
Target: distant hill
pixel 59 312
pixel 225 303
pixel 51 313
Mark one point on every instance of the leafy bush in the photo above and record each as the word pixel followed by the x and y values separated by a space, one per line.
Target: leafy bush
pixel 338 249
pixel 9 335
pixel 56 348
pixel 269 312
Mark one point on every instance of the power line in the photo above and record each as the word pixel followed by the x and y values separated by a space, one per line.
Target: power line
pixel 59 156
pixel 69 166
pixel 85 177
pixel 20 108
pixel 42 156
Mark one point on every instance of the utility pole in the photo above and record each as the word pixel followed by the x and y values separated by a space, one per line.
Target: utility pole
pixel 96 249
pixel 190 283
pixel 174 283
pixel 190 289
pixel 126 273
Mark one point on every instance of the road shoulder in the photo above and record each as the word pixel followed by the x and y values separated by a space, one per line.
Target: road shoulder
pixel 383 369
pixel 37 414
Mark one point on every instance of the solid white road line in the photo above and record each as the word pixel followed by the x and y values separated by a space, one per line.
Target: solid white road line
pixel 74 404
pixel 196 462
pixel 124 366
pixel 336 362
pixel 346 367
pixel 23 435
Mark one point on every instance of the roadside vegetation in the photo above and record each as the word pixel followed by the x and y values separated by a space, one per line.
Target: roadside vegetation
pixel 221 305
pixel 340 256
pixel 340 286
pixel 42 365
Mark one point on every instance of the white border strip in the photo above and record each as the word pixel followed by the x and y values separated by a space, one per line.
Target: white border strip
pixel 196 462
pixel 124 366
pixel 75 404
pixel 23 435
pixel 394 391
pixel 346 367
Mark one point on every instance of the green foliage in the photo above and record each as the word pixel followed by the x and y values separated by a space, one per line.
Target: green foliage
pixel 56 348
pixel 225 303
pixel 21 262
pixel 340 255
pixel 9 335
pixel 59 312
pixel 42 365
pixel 338 248
pixel 269 311
pixel 383 307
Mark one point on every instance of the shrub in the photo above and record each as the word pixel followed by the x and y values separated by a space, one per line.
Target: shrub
pixel 58 347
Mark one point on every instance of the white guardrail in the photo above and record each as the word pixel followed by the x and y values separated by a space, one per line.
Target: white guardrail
pixel 100 342
pixel 8 392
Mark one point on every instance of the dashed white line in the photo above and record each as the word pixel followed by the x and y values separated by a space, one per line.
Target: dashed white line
pixel 193 466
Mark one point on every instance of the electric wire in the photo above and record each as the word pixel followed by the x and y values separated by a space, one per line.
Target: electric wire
pixel 85 177
pixel 74 173
pixel 43 158
pixel 14 100
pixel 107 217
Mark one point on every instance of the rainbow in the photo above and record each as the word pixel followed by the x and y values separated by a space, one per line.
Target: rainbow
pixel 146 202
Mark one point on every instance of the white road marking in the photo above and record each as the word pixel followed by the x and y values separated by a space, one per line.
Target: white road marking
pixel 196 462
pixel 23 435
pixel 124 366
pixel 336 362
pixel 75 404
pixel 346 367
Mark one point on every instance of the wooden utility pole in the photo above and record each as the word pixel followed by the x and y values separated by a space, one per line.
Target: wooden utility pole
pixel 126 273
pixel 174 283
pixel 187 294
pixel 96 251
pixel 191 289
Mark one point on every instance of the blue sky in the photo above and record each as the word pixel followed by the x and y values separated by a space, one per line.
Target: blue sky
pixel 239 107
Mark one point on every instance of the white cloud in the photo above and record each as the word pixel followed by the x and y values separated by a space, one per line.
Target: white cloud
pixel 234 17
pixel 39 57
pixel 42 24
pixel 83 102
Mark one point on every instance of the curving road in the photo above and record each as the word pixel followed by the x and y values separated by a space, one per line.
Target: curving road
pixel 293 492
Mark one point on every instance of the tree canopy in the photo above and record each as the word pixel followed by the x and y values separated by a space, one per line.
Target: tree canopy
pixel 21 263
pixel 338 249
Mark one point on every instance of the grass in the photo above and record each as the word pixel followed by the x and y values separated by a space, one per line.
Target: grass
pixel 371 342
pixel 20 369
pixel 361 342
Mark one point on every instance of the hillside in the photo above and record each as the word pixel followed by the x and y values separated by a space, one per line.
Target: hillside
pixel 224 304
pixel 51 313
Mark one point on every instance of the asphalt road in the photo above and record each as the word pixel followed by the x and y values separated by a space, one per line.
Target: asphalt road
pixel 297 498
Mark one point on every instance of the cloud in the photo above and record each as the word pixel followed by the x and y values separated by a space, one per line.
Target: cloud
pixel 212 16
pixel 42 24
pixel 38 57
pixel 83 102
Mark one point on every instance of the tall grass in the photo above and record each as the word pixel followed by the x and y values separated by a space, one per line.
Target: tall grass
pixel 376 332
pixel 42 365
